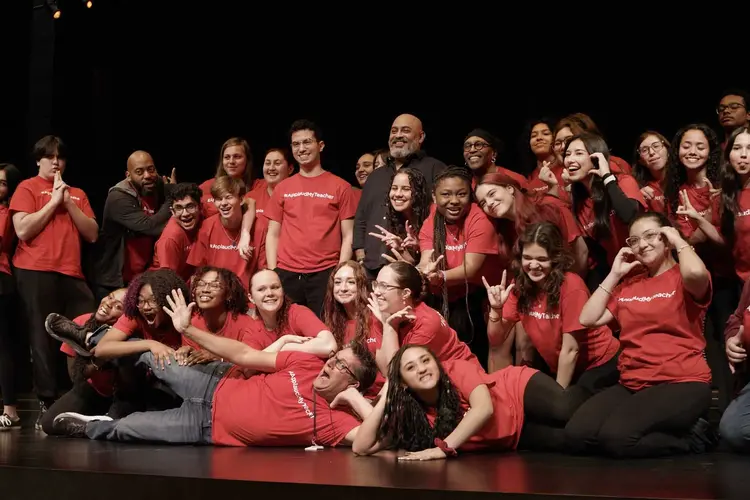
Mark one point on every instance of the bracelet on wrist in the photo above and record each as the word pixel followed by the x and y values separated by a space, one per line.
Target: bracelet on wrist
pixel 449 452
pixel 683 247
pixel 607 291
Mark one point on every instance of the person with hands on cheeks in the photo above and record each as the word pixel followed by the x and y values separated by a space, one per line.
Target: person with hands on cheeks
pixel 658 290
pixel 397 304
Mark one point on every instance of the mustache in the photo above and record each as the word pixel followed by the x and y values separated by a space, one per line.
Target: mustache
pixel 396 139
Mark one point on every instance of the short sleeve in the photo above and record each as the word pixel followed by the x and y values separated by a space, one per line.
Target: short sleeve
pixel 348 202
pixel 303 322
pixel 466 376
pixel 630 188
pixel 573 296
pixel 84 205
pixel 23 200
pixel 274 210
pixel 481 236
pixel 199 250
pixel 426 233
pixel 126 325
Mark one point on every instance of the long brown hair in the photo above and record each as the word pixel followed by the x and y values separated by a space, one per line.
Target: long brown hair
pixel 334 314
pixel 247 176
pixel 640 171
pixel 549 237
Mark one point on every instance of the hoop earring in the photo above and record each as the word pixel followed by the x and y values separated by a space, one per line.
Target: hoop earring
pixel 494 158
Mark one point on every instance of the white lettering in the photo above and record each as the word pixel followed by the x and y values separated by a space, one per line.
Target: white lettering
pixel 662 295
pixel 744 213
pixel 309 194
pixel 48 193
pixel 541 315
pixel 456 248
pixel 371 340
pixel 222 247
pixel 300 399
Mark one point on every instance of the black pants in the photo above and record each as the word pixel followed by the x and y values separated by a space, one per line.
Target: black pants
pixel 82 398
pixel 548 407
pixel 8 352
pixel 306 289
pixel 101 291
pixel 40 294
pixel 468 321
pixel 726 296
pixel 651 422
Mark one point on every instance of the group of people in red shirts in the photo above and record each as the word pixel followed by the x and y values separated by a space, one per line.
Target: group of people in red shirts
pixel 579 306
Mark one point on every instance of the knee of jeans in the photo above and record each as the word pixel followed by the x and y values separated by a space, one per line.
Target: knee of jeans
pixel 735 430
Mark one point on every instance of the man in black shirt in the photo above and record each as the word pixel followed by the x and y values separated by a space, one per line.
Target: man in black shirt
pixel 405 144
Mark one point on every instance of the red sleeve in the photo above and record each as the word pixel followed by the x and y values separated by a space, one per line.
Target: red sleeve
pixel 85 206
pixel 736 319
pixel 573 296
pixel 481 236
pixel 126 325
pixel 630 187
pixel 23 200
pixel 613 300
pixel 510 308
pixel 466 376
pixel 426 233
pixel 303 322
pixel 348 202
pixel 199 250
pixel 424 330
pixel 168 253
pixel 568 225
pixel 275 208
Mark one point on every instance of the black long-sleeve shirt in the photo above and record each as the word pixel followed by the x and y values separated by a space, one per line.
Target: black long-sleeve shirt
pixel 372 208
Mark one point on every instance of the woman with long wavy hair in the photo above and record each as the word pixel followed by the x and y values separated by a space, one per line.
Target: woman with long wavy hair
pixel 546 298
pixel 346 314
pixel 652 154
pixel 735 200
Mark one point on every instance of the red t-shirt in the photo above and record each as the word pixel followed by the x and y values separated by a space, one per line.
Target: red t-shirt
pixel 473 234
pixel 507 387
pixel 618 229
pixel 520 179
pixel 172 249
pixel 356 195
pixel 432 330
pixel 661 331
pixel 745 337
pixel 301 321
pixel 216 246
pixel 207 200
pixel 373 341
pixel 700 198
pixel 277 409
pixel 6 243
pixel 658 202
pixel 260 226
pixel 57 248
pixel 741 248
pixel 618 165
pixel 137 327
pixel 235 328
pixel 310 211
pixel 538 187
pixel 102 381
pixel 545 328
pixel 139 249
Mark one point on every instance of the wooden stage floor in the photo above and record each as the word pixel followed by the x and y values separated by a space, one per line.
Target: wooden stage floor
pixel 33 465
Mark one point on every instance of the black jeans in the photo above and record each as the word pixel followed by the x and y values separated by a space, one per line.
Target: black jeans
pixel 468 321
pixel 8 352
pixel 548 407
pixel 82 398
pixel 726 296
pixel 651 422
pixel 40 294
pixel 306 289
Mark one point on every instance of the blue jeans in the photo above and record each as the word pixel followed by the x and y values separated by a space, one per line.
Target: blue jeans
pixel 188 424
pixel 735 423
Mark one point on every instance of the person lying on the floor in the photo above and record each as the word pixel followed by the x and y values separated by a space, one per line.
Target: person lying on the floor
pixel 93 381
pixel 735 423
pixel 295 403
pixel 433 408
pixel 657 408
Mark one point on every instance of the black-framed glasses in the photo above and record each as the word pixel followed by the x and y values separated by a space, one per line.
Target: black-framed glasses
pixel 656 146
pixel 379 286
pixel 649 237
pixel 211 285
pixel 342 366
pixel 734 106
pixel 189 208
pixel 479 145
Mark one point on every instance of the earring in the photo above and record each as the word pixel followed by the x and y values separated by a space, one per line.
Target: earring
pixel 494 158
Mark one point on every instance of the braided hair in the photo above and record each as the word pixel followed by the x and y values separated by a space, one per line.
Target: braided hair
pixel 405 425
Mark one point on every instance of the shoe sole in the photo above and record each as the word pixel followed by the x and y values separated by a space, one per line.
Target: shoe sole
pixel 85 418
pixel 76 347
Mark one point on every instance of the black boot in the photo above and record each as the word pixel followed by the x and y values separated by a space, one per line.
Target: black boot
pixel 703 437
pixel 62 329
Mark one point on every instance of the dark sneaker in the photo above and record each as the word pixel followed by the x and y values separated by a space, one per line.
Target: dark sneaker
pixel 7 423
pixel 42 411
pixel 703 437
pixel 74 424
pixel 62 329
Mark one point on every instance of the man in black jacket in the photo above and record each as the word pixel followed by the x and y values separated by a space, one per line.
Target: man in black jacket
pixel 134 216
pixel 405 144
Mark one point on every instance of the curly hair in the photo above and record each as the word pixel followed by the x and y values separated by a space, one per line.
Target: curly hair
pixel 731 186
pixel 235 295
pixel 183 190
pixel 420 203
pixel 161 281
pixel 549 237
pixel 439 231
pixel 641 173
pixel 334 313
pixel 579 193
pixel 405 425
pixel 676 174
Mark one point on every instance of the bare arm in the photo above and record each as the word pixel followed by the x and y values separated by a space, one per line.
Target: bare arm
pixel 365 442
pixel 115 344
pixel 566 363
pixel 595 312
pixel 272 243
pixel 248 219
pixel 480 412
pixel 347 233
pixel 232 350
pixel 322 345
pixel 29 225
pixel 87 226
pixel 581 253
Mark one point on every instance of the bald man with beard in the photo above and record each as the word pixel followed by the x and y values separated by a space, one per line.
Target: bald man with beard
pixel 405 144
pixel 135 214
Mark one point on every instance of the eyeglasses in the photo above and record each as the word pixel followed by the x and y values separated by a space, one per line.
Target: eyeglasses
pixel 468 146
pixel 211 285
pixel 649 237
pixel 379 286
pixel 189 208
pixel 733 106
pixel 341 366
pixel 656 146
pixel 151 302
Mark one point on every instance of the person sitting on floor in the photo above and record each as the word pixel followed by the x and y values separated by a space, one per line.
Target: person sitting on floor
pixel 93 382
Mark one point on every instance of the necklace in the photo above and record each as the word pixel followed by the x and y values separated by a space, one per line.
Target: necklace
pixel 315 446
pixel 233 240
pixel 454 236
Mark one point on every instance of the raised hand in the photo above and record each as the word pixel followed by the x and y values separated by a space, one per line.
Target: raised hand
pixel 60 190
pixel 405 314
pixel 712 191
pixel 372 304
pixel 648 193
pixel 672 236
pixel 625 262
pixel 497 295
pixel 603 165
pixel 171 179
pixel 546 175
pixel 412 239
pixel 179 311
pixel 685 207
pixel 387 237
pixel 401 255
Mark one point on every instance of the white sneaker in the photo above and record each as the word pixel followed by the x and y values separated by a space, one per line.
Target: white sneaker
pixel 84 418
